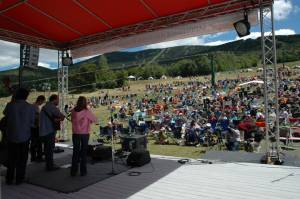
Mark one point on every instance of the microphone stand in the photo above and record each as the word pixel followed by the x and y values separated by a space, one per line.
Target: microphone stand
pixel 113 172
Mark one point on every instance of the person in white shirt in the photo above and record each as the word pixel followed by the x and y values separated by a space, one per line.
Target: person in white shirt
pixel 233 139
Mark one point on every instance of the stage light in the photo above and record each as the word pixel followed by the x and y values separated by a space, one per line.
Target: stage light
pixel 242 27
pixel 67 61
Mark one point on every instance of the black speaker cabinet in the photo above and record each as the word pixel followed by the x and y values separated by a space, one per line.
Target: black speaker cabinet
pixel 100 152
pixel 138 158
pixel 134 142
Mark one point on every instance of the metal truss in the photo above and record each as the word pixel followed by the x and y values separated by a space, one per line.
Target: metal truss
pixel 190 16
pixel 62 84
pixel 270 77
pixel 40 42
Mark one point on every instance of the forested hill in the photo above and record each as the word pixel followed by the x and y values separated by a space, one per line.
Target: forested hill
pixel 111 69
pixel 288 50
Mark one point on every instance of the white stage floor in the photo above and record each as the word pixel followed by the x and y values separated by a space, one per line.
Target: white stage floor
pixel 171 180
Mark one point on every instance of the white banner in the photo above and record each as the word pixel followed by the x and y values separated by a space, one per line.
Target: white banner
pixel 202 27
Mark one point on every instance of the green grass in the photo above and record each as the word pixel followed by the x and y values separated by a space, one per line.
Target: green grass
pixel 176 150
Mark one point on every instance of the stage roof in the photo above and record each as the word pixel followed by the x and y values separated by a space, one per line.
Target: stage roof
pixel 73 24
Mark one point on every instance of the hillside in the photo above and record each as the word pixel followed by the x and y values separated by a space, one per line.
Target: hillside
pixel 285 44
pixel 181 60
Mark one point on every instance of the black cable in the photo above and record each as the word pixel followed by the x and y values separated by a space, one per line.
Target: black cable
pixel 138 173
pixel 184 161
pixel 197 162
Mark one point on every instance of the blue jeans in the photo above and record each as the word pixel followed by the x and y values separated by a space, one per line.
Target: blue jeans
pixel 80 147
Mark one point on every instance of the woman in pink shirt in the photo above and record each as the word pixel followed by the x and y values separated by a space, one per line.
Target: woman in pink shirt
pixel 81 118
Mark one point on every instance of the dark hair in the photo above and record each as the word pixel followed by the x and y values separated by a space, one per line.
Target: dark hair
pixel 53 97
pixel 81 104
pixel 21 94
pixel 40 98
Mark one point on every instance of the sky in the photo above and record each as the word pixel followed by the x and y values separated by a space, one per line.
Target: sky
pixel 286 14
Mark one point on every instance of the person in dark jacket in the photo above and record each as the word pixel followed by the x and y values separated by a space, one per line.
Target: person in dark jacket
pixel 47 130
pixel 20 119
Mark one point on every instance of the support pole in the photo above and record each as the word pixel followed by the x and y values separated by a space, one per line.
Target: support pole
pixel 113 170
pixel 20 75
pixel 213 72
pixel 276 80
pixel 62 84
pixel 270 77
pixel 264 78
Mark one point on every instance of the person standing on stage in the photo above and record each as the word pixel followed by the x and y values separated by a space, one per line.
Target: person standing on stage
pixel 20 119
pixel 81 118
pixel 36 149
pixel 50 118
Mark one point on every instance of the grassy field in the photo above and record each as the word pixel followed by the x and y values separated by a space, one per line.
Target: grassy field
pixel 137 87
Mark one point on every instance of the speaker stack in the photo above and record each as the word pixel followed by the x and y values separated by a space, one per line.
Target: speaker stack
pixel 137 146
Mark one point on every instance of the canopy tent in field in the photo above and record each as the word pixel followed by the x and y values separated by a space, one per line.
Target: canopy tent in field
pixel 131 77
pixel 163 77
pixel 252 82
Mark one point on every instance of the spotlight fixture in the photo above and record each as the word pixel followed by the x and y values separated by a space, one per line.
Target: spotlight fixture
pixel 67 60
pixel 242 27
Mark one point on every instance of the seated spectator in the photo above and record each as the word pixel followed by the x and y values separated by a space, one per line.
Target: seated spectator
pixel 233 139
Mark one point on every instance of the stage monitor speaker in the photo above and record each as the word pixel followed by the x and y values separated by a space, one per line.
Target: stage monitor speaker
pixel 133 142
pixel 99 152
pixel 92 147
pixel 138 158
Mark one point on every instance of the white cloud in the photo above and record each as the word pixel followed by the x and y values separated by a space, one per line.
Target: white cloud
pixel 282 9
pixel 217 43
pixel 192 41
pixel 255 35
pixel 83 58
pixel 285 32
pixel 9 53
pixel 44 65
pixel 48 56
pixel 181 42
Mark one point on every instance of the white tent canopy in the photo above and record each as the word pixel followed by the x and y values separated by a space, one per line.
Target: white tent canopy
pixel 202 27
pixel 163 77
pixel 131 77
pixel 252 82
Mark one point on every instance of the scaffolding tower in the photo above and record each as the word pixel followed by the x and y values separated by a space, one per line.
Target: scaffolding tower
pixel 62 83
pixel 271 80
